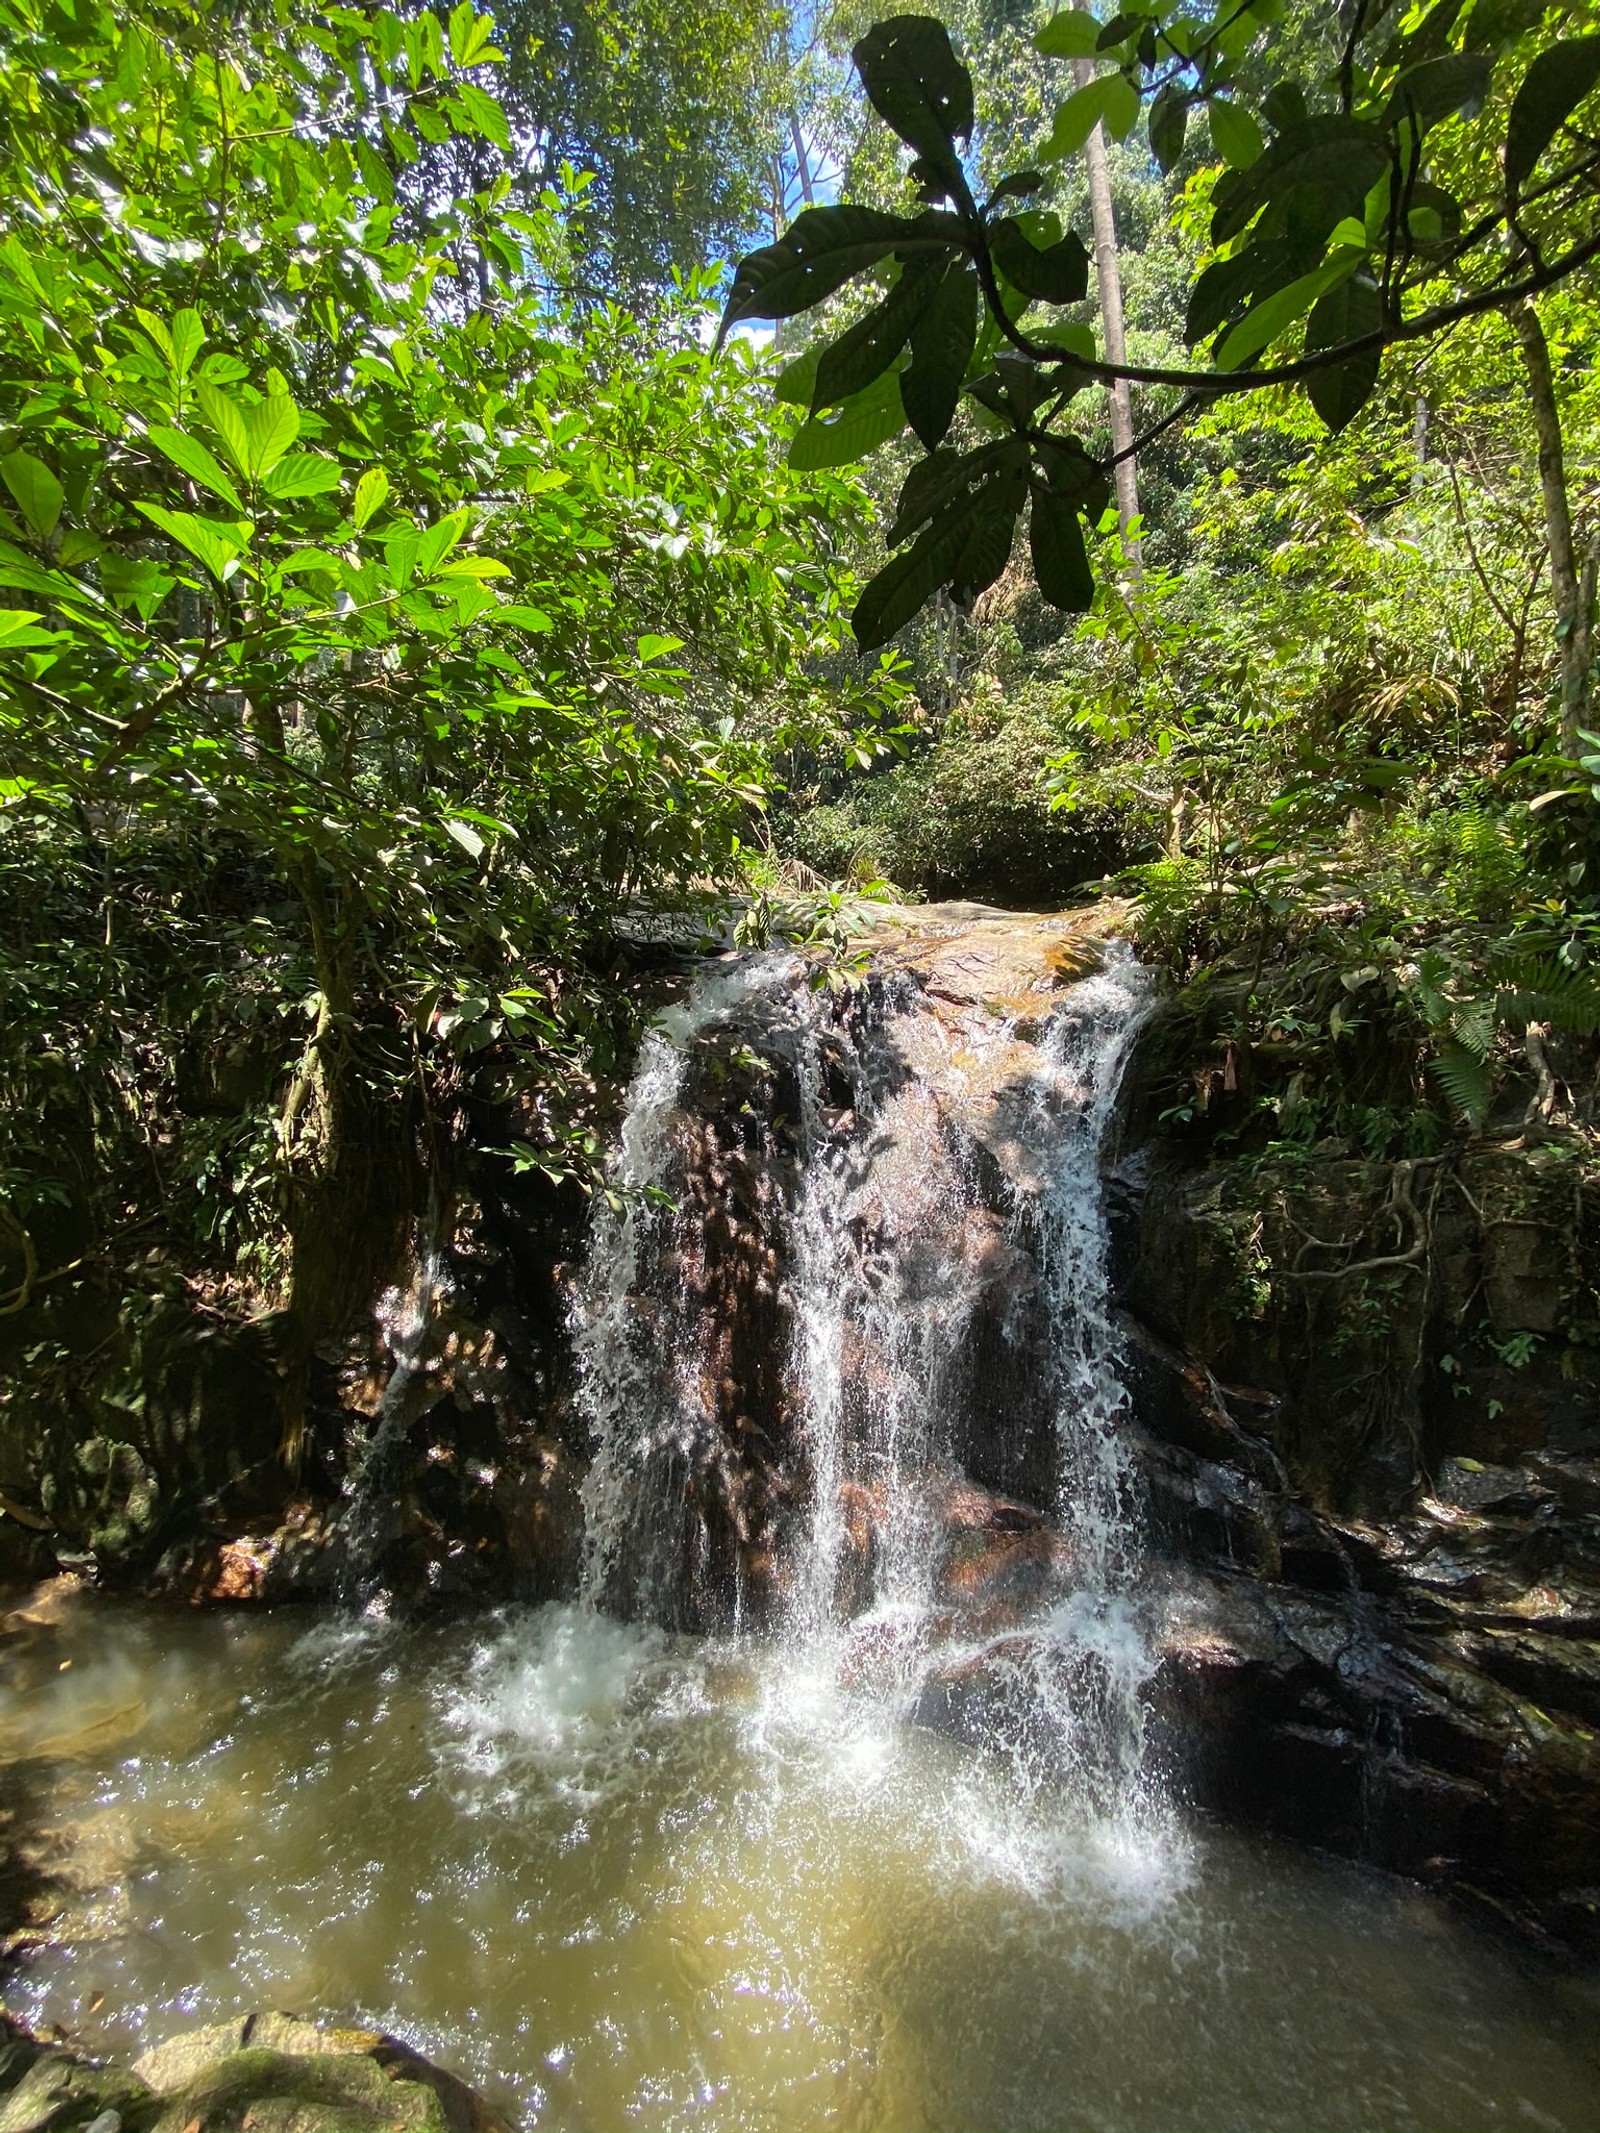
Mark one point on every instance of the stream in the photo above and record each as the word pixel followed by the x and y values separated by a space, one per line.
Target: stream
pixel 831 1800
pixel 621 1878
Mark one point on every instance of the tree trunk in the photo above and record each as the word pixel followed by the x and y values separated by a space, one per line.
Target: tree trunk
pixel 1572 589
pixel 1108 276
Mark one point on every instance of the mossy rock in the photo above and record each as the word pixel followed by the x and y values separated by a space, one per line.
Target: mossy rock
pixel 290 2076
pixel 277 2092
pixel 62 2094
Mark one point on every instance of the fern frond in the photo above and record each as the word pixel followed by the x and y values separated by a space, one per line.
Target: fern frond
pixel 1466 1081
pixel 1472 1026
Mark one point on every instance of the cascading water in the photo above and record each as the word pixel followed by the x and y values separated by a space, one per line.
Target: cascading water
pixel 944 1181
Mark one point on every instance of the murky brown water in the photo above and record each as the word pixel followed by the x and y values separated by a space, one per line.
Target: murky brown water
pixel 619 1880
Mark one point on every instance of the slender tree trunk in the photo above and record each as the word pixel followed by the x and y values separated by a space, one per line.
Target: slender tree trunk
pixel 802 161
pixel 1108 276
pixel 1572 587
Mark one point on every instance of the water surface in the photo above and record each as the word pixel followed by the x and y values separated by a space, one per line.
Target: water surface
pixel 620 1879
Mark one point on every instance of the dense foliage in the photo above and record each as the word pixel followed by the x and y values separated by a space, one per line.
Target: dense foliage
pixel 381 625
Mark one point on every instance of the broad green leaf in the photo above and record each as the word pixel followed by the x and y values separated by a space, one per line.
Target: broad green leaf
pixel 515 616
pixel 38 493
pixel 371 490
pixel 1455 81
pixel 1552 89
pixel 226 416
pixel 819 252
pixel 1169 119
pixel 1345 313
pixel 797 381
pixel 485 114
pixel 188 338
pixel 653 647
pixel 941 348
pixel 1112 102
pixel 18 633
pixel 915 83
pixel 302 474
pixel 1071 34
pixel 217 543
pixel 438 540
pixel 1057 275
pixel 466 836
pixel 1264 321
pixel 1234 133
pixel 473 566
pixel 854 430
pixel 271 426
pixel 470 34
pixel 872 343
pixel 192 457
pixel 1060 559
pixel 1331 160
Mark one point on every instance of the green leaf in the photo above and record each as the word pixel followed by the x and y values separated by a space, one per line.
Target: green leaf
pixel 941 348
pixel 226 417
pixel 915 82
pixel 1552 89
pixel 1059 275
pixel 485 114
pixel 438 540
pixel 1169 119
pixel 652 647
pixel 271 426
pixel 17 631
pixel 1071 34
pixel 191 456
pixel 872 343
pixel 1112 102
pixel 532 619
pixel 188 338
pixel 1345 313
pixel 819 252
pixel 1337 159
pixel 1266 320
pixel 466 836
pixel 1455 81
pixel 1234 133
pixel 857 428
pixel 302 474
pixel 470 34
pixel 39 495
pixel 1060 559
pixel 218 543
pixel 371 490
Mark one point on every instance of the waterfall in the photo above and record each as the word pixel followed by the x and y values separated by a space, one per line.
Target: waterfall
pixel 938 1215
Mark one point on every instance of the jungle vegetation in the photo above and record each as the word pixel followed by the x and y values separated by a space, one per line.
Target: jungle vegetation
pixel 406 585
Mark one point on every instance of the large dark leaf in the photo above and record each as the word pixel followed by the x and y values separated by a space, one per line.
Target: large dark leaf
pixel 941 348
pixel 1060 560
pixel 818 253
pixel 889 600
pixel 1069 472
pixel 1169 120
pixel 915 82
pixel 1333 155
pixel 991 528
pixel 872 343
pixel 1455 81
pixel 1228 285
pixel 1346 313
pixel 1552 89
pixel 1058 275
